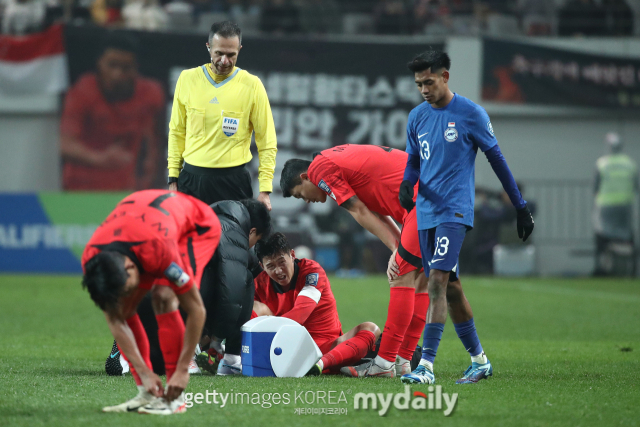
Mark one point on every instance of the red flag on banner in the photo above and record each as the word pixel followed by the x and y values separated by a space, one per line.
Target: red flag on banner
pixel 33 64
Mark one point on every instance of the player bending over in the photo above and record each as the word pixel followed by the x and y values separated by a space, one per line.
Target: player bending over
pixel 298 289
pixel 364 179
pixel 227 284
pixel 443 137
pixel 160 241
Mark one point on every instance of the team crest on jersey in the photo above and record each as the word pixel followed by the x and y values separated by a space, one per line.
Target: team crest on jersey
pixel 176 275
pixel 230 125
pixel 451 134
pixel 311 280
pixel 324 187
pixel 490 128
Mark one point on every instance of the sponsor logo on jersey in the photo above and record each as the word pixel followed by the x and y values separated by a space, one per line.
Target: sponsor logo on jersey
pixel 451 124
pixel 451 134
pixel 214 100
pixel 176 275
pixel 324 187
pixel 490 128
pixel 311 280
pixel 230 125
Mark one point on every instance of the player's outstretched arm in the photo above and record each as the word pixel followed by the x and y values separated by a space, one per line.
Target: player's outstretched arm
pixel 192 304
pixel 370 221
pixel 127 343
pixel 262 309
pixel 502 171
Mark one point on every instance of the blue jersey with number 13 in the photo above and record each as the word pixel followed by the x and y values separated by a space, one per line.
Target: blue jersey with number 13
pixel 447 140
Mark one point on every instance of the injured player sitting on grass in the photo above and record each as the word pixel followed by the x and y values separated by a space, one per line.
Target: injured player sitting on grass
pixel 299 290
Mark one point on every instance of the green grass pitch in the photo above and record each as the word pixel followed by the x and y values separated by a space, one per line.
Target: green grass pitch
pixel 565 353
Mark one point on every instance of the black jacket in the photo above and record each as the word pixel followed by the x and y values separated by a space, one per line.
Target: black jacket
pixel 227 284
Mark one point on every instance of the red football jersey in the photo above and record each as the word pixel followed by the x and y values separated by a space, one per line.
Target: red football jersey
pixel 169 236
pixel 311 282
pixel 99 124
pixel 370 172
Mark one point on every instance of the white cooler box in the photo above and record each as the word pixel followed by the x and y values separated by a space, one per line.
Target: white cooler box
pixel 277 347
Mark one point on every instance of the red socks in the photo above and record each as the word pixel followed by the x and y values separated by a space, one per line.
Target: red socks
pixel 171 336
pixel 350 351
pixel 142 342
pixel 413 332
pixel 401 303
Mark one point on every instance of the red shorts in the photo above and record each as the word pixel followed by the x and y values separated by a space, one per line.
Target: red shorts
pixel 408 254
pixel 325 342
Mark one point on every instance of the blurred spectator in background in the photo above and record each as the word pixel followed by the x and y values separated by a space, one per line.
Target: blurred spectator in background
pixel 391 17
pixel 144 15
pixel 201 7
pixel 352 240
pixel 581 18
pixel 280 17
pixel 494 222
pixel 616 187
pixel 491 210
pixel 537 16
pixel 320 16
pixel 107 13
pixel 23 16
pixel 432 17
pixel 112 123
pixel 618 18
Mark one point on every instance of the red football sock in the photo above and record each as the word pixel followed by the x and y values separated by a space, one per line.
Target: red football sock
pixel 142 341
pixel 413 332
pixel 171 336
pixel 350 351
pixel 401 304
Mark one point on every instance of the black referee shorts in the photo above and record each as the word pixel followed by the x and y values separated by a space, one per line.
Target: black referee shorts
pixel 213 185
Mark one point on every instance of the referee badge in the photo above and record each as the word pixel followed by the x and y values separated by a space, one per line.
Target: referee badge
pixel 230 125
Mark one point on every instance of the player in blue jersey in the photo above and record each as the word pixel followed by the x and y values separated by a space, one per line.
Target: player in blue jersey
pixel 443 137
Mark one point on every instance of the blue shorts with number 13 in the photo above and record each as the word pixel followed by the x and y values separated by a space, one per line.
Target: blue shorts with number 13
pixel 440 247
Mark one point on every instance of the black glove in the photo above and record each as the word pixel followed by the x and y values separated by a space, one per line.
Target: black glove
pixel 406 195
pixel 524 223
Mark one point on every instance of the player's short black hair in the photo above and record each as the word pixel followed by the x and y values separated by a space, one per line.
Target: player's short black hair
pixel 290 176
pixel 259 216
pixel 277 244
pixel 120 41
pixel 226 29
pixel 105 277
pixel 430 59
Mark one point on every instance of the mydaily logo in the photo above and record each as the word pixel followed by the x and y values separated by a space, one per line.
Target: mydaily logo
pixel 402 401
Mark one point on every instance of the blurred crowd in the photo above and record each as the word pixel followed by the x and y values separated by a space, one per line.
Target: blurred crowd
pixel 397 17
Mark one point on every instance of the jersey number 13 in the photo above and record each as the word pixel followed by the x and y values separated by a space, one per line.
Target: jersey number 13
pixel 424 150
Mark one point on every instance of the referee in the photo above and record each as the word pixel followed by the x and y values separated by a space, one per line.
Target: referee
pixel 216 108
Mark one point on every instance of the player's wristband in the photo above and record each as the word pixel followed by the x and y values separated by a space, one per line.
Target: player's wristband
pixel 172 179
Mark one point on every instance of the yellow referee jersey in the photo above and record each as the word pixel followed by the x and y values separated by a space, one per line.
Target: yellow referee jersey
pixel 211 123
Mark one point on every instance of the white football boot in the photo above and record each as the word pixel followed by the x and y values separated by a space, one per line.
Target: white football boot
pixel 403 366
pixel 143 398
pixel 159 406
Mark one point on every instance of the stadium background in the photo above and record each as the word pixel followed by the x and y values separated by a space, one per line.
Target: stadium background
pixel 551 101
pixel 553 82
